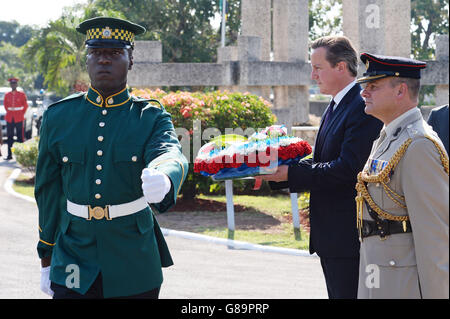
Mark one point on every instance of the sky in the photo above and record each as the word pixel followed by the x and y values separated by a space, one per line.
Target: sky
pixel 34 12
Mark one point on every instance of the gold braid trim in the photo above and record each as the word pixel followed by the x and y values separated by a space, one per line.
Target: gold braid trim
pixel 444 157
pixel 383 178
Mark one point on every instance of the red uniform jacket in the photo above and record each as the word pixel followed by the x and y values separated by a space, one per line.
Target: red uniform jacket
pixel 15 105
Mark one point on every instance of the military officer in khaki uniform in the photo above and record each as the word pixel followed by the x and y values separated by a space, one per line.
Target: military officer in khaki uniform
pixel 104 156
pixel 402 202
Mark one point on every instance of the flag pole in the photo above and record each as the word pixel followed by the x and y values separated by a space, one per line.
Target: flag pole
pixel 224 6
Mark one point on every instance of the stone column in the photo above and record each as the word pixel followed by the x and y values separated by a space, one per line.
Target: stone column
pixel 146 51
pixel 378 26
pixel 256 21
pixel 290 40
pixel 441 92
pixel 224 55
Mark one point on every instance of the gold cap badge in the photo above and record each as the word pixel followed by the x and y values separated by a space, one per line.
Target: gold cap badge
pixel 107 33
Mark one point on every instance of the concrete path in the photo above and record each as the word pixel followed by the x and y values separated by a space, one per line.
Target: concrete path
pixel 202 270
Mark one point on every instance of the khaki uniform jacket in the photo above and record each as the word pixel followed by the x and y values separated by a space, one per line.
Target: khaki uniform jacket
pixel 415 264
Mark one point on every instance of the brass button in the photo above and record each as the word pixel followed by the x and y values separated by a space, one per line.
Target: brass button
pixel 101 124
pixel 100 138
pixel 104 112
pixel 98 196
pixel 99 99
pixel 65 159
pixel 98 181
pixel 99 167
pixel 134 158
pixel 110 100
pixel 99 152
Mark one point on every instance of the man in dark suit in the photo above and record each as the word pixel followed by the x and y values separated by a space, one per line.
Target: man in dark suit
pixel 342 147
pixel 438 120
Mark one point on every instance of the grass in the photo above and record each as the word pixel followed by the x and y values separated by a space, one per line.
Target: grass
pixel 277 206
pixel 260 208
pixel 286 239
pixel 22 187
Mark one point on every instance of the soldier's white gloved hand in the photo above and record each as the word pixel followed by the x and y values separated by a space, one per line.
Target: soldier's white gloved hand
pixel 155 185
pixel 45 281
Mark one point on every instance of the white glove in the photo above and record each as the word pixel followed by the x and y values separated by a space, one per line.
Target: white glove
pixel 45 281
pixel 155 185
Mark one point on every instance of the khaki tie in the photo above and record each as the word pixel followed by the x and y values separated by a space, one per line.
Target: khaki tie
pixel 381 138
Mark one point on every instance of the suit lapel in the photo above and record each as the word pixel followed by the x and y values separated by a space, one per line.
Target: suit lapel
pixel 340 108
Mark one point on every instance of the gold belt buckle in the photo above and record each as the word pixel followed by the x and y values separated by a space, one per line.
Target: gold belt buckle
pixel 98 212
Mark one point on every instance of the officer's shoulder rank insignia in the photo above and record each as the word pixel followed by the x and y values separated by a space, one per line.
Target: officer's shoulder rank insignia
pixel 70 97
pixel 412 131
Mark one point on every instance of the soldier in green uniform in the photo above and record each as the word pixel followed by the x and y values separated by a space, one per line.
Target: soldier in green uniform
pixel 402 202
pixel 104 156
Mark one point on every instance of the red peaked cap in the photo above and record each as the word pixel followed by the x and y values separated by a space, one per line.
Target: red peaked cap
pixel 13 79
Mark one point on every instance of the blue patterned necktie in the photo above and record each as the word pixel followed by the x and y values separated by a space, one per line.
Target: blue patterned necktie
pixel 328 115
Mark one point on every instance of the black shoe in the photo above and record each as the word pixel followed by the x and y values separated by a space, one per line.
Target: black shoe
pixel 8 158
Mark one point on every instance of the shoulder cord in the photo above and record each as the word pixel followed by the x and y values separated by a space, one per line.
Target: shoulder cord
pixel 444 158
pixel 383 178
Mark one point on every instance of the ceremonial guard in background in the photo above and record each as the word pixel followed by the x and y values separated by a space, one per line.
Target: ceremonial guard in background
pixel 104 156
pixel 15 105
pixel 402 201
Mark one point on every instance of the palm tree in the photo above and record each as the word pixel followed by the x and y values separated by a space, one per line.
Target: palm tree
pixel 58 52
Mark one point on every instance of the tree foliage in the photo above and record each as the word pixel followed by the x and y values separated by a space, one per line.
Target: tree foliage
pixel 14 33
pixel 12 65
pixel 12 37
pixel 321 22
pixel 58 52
pixel 428 19
pixel 184 27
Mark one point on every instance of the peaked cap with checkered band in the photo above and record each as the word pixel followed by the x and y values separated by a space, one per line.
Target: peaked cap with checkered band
pixel 105 32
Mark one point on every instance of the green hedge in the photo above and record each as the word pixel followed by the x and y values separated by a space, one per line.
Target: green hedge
pixel 26 153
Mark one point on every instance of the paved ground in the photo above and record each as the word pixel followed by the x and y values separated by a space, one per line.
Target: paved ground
pixel 201 270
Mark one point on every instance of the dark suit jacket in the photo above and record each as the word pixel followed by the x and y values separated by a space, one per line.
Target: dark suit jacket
pixel 439 122
pixel 340 153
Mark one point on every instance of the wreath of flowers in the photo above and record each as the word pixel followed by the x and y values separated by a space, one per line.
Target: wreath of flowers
pixel 252 154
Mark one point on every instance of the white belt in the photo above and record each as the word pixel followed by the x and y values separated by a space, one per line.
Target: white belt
pixel 109 211
pixel 15 108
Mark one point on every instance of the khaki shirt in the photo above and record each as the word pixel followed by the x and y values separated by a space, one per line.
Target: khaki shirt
pixel 415 264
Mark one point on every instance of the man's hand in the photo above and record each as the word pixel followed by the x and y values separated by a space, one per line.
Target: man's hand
pixel 281 175
pixel 45 281
pixel 155 185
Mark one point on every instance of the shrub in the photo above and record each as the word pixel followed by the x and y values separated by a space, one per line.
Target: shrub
pixel 219 109
pixel 27 153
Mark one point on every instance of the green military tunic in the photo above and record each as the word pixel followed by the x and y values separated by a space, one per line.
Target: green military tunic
pixel 92 152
